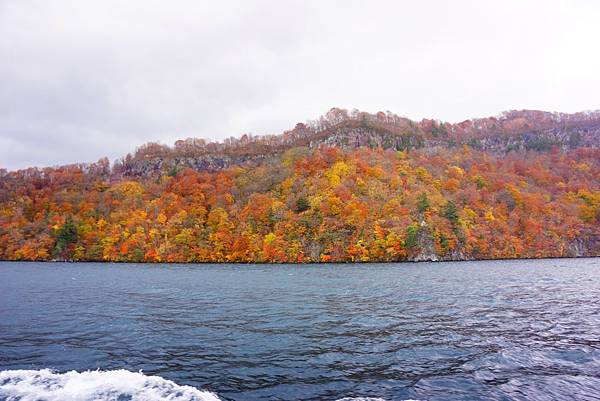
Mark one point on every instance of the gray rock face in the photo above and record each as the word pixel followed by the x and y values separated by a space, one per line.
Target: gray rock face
pixel 158 165
pixel 426 245
pixel 585 246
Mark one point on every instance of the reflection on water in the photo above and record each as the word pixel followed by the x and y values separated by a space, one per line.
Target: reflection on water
pixel 472 330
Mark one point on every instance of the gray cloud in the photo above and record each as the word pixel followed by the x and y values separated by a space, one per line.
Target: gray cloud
pixel 82 80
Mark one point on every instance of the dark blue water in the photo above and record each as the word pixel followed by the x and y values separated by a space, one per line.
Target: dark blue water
pixel 527 330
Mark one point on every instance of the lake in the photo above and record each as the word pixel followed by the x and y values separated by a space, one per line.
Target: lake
pixel 497 330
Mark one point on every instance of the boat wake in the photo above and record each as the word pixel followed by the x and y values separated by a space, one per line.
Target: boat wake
pixel 114 385
pixel 97 385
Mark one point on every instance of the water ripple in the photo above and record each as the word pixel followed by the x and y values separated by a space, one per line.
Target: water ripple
pixel 522 330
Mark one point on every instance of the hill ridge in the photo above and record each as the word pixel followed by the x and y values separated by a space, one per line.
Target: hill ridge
pixel 511 131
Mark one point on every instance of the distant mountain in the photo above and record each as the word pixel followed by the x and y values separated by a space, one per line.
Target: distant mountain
pixel 349 187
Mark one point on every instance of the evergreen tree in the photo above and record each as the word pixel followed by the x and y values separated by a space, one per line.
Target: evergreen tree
pixel 66 235
pixel 451 213
pixel 302 204
pixel 423 204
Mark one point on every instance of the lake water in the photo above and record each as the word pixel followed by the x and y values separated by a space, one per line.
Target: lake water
pixel 503 330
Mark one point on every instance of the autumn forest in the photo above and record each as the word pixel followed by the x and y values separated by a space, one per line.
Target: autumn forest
pixel 350 187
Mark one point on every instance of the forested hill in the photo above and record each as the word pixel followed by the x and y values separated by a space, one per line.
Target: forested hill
pixel 347 187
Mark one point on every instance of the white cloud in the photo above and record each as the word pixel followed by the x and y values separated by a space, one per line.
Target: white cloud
pixel 81 80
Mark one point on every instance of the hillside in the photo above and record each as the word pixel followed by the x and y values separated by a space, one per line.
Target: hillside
pixel 347 187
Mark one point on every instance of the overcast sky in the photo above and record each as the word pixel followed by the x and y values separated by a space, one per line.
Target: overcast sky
pixel 84 79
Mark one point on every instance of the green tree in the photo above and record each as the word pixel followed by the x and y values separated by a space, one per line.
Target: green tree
pixel 302 204
pixel 411 238
pixel 451 213
pixel 423 204
pixel 66 235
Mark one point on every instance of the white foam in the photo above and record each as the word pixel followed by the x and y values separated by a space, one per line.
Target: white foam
pixel 34 385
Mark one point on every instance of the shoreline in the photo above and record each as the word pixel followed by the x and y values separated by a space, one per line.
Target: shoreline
pixel 303 263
